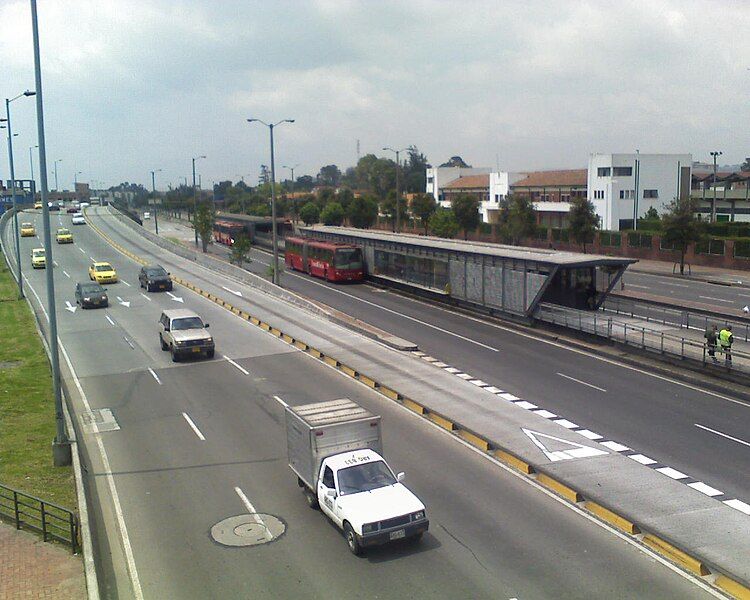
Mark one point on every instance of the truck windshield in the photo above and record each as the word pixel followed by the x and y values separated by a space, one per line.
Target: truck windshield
pixel 346 258
pixel 365 477
pixel 186 323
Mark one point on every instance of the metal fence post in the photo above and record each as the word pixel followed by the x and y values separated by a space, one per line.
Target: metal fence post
pixel 15 510
pixel 44 523
pixel 625 334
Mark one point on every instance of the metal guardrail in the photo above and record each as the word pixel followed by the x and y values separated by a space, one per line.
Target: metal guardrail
pixel 29 512
pixel 683 319
pixel 645 338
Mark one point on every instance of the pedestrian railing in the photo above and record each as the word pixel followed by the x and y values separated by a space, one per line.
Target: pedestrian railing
pixel 29 512
pixel 684 319
pixel 643 337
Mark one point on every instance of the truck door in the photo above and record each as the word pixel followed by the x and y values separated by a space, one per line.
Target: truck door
pixel 326 484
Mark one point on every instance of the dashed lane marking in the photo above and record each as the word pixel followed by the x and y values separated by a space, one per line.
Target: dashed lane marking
pixel 591 385
pixel 238 366
pixel 724 435
pixel 154 375
pixel 194 427
pixel 111 322
pixel 145 296
pixel 717 299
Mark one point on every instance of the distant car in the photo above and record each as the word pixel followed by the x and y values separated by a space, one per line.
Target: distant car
pixel 78 219
pixel 28 230
pixel 71 210
pixel 154 278
pixel 63 236
pixel 183 333
pixel 91 295
pixel 83 205
pixel 38 258
pixel 147 215
pixel 60 203
pixel 54 207
pixel 37 205
pixel 102 272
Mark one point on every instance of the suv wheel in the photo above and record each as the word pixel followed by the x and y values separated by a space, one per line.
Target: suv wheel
pixel 175 356
pixel 351 540
pixel 210 353
pixel 163 345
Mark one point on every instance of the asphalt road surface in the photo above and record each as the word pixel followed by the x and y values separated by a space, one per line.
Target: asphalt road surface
pixel 715 297
pixel 202 441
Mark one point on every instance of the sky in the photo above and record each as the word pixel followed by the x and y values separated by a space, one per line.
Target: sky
pixel 132 86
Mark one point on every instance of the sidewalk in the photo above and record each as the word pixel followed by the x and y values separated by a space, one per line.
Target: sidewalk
pixel 31 568
pixel 699 273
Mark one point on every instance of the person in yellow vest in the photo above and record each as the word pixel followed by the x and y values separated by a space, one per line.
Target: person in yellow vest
pixel 725 341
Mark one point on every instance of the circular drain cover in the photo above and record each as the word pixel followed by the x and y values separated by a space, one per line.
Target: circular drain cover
pixel 248 530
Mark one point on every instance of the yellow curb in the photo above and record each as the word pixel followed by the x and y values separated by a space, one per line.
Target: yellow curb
pixel 414 406
pixel 556 486
pixel 474 440
pixel 316 353
pixel 612 518
pixel 367 381
pixel 730 586
pixel 442 421
pixel 514 462
pixel 275 332
pixel 331 361
pixel 349 371
pixel 287 338
pixel 675 554
pixel 301 345
pixel 386 391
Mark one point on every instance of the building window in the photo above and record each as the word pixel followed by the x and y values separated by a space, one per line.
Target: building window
pixel 650 193
pixel 565 198
pixel 603 171
pixel 622 171
pixel 627 194
pixel 429 179
pixel 598 194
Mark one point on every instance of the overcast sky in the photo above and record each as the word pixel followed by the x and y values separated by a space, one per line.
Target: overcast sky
pixel 135 85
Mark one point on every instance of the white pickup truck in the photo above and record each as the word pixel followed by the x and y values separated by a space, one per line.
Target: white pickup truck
pixel 335 449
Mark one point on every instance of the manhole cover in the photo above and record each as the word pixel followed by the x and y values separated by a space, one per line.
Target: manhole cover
pixel 248 530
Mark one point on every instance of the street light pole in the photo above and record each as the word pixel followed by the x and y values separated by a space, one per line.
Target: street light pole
pixel 61 445
pixel 195 202
pixel 294 200
pixel 31 160
pixel 398 194
pixel 75 179
pixel 274 234
pixel 153 191
pixel 57 189
pixel 715 154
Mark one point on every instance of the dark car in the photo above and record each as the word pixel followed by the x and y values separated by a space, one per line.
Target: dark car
pixel 91 295
pixel 54 208
pixel 71 210
pixel 154 278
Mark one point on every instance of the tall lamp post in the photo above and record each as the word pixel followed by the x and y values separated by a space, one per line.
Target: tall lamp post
pixel 75 178
pixel 716 154
pixel 398 191
pixel 59 160
pixel 273 197
pixel 27 93
pixel 294 200
pixel 153 191
pixel 31 160
pixel 61 445
pixel 195 201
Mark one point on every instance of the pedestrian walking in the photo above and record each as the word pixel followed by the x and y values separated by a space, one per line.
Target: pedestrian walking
pixel 712 336
pixel 726 338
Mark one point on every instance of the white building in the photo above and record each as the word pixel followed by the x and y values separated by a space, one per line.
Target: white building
pixel 439 177
pixel 489 188
pixel 621 185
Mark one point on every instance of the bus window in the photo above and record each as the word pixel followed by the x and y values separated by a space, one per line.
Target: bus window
pixel 348 258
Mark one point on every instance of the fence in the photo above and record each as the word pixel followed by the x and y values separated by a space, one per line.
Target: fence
pixel 52 521
pixel 645 338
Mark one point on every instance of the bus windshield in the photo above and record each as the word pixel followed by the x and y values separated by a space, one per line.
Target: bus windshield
pixel 348 258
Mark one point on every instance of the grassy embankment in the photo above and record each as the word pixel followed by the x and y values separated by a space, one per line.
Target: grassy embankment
pixel 27 406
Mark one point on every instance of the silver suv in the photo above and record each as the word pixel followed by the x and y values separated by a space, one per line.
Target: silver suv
pixel 183 333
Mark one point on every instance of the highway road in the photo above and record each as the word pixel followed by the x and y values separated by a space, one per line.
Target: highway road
pixel 698 432
pixel 198 442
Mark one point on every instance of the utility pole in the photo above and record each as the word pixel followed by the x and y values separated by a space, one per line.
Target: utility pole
pixel 398 191
pixel 195 201
pixel 153 191
pixel 294 200
pixel 31 160
pixel 715 154
pixel 57 189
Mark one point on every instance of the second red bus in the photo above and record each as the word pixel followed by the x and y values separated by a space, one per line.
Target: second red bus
pixel 329 260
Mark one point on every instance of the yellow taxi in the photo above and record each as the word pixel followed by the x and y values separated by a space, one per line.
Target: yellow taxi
pixel 102 272
pixel 38 258
pixel 38 205
pixel 63 236
pixel 28 230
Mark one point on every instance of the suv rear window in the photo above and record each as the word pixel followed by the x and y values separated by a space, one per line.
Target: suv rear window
pixel 187 323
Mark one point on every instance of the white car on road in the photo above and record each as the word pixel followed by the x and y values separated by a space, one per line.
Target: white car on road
pixel 78 219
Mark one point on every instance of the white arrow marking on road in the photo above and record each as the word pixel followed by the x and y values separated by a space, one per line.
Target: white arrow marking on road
pixel 70 307
pixel 236 293
pixel 576 450
pixel 125 303
pixel 175 298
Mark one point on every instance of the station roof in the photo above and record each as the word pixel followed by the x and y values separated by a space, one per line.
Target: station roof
pixel 539 255
pixel 248 218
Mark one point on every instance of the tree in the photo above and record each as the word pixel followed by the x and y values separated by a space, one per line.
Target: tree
pixel 415 171
pixel 329 175
pixel 466 210
pixel 746 165
pixel 333 214
pixel 423 206
pixel 363 212
pixel 517 218
pixel 265 175
pixel 309 213
pixel 582 221
pixel 304 183
pixel 651 214
pixel 204 223
pixel 456 161
pixel 443 223
pixel 344 198
pixel 388 208
pixel 681 228
pixel 240 250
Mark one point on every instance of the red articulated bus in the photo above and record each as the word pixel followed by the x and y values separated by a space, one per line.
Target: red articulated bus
pixel 225 232
pixel 329 260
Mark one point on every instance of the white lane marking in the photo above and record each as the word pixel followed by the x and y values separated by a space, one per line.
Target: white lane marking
pixel 682 285
pixel 111 322
pixel 127 548
pixel 591 385
pixel 234 364
pixel 82 250
pixel 615 446
pixel 464 376
pixel 92 258
pixel 453 370
pixel 567 424
pixel 235 292
pixel 705 489
pixel 673 473
pixel 726 435
pixel 738 505
pixel 642 287
pixel 125 303
pixel 145 296
pixel 154 375
pixel 125 282
pixel 493 390
pixel 70 307
pixel 280 401
pixel 54 262
pixel 545 413
pixel 526 405
pixel 253 513
pixel 716 299
pixel 574 451
pixel 66 274
pixel 479 383
pixel 587 433
pixel 644 460
pixel 510 397
pixel 197 431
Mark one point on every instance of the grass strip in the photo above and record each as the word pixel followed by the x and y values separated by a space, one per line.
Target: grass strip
pixel 27 405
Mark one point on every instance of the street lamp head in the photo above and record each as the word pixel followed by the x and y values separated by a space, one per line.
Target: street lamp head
pixel 252 120
pixel 29 93
pixel 288 121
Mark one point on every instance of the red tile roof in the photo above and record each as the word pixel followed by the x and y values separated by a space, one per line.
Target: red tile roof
pixel 562 178
pixel 470 182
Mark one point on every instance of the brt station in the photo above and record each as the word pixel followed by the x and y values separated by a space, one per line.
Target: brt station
pixel 496 278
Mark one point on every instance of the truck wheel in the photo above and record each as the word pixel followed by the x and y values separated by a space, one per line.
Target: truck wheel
pixel 415 539
pixel 163 345
pixel 175 356
pixel 351 540
pixel 312 501
pixel 210 353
